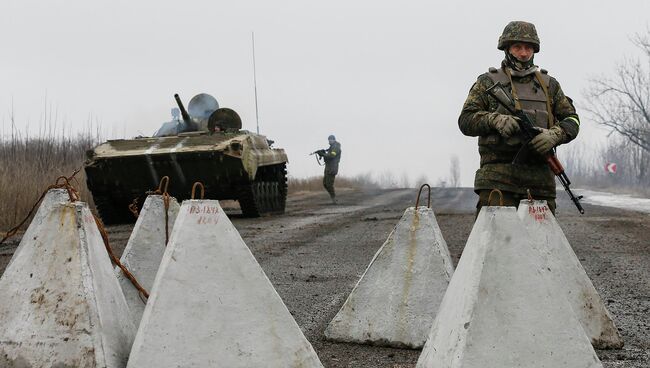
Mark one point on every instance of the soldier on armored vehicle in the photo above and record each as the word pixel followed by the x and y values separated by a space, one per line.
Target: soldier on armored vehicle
pixel 205 116
pixel 208 145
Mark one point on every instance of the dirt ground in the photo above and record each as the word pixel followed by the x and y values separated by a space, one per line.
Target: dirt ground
pixel 316 252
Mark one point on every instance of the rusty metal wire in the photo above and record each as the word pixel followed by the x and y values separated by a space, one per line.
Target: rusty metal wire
pixel 62 182
pixel 166 198
pixel 500 197
pixel 198 184
pixel 162 190
pixel 133 207
pixel 115 260
pixel 417 200
pixel 163 185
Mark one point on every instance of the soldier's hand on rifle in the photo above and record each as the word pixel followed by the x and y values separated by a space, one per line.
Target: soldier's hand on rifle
pixel 506 125
pixel 548 139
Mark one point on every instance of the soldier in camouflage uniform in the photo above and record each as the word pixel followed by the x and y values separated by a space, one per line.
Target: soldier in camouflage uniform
pixel 331 156
pixel 541 98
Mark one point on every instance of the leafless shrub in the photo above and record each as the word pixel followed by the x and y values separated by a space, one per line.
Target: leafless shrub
pixel 405 181
pixel 387 179
pixel 29 165
pixel 315 183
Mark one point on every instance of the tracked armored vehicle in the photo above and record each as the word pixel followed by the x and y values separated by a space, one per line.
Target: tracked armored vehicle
pixel 206 145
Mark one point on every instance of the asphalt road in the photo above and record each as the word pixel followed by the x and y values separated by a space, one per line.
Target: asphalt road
pixel 316 252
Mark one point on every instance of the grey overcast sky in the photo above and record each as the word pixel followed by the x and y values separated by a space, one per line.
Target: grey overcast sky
pixel 388 78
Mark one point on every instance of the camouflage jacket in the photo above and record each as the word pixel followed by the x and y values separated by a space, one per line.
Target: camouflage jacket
pixel 332 156
pixel 496 170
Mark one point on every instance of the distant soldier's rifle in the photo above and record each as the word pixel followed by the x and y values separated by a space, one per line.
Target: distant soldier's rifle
pixel 498 92
pixel 319 154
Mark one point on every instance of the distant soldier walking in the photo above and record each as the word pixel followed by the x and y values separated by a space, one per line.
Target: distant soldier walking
pixel 331 156
pixel 504 164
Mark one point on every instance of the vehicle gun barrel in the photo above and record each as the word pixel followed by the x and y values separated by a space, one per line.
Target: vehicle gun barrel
pixel 184 114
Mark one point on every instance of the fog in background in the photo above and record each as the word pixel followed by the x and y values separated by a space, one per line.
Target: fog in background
pixel 387 78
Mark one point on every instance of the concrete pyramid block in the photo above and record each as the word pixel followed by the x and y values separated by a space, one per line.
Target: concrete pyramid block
pixel 211 304
pixel 52 197
pixel 396 300
pixel 568 274
pixel 501 308
pixel 60 303
pixel 145 250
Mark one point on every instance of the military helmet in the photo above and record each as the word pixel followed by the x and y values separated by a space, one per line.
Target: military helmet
pixel 519 31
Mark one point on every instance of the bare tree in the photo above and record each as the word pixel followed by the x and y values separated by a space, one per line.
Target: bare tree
pixel 454 171
pixel 387 179
pixel 622 102
pixel 586 165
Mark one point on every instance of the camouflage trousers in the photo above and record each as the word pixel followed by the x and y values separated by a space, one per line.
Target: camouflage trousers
pixel 328 183
pixel 509 199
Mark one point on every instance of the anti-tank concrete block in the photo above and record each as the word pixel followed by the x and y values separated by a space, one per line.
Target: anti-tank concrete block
pixel 52 197
pixel 60 303
pixel 501 308
pixel 395 301
pixel 145 250
pixel 212 305
pixel 567 273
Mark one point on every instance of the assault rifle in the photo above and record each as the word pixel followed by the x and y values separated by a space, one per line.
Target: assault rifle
pixel 498 92
pixel 319 154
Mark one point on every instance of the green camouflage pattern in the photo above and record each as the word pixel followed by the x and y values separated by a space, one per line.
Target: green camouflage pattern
pixel 519 31
pixel 497 153
pixel 332 156
pixel 328 184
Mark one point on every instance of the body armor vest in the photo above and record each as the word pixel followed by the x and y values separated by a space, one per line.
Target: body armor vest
pixel 531 96
pixel 497 153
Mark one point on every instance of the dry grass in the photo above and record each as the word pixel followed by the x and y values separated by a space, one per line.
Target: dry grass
pixel 29 165
pixel 315 183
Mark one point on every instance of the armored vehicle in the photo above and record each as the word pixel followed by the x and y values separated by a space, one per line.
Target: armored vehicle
pixel 205 144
